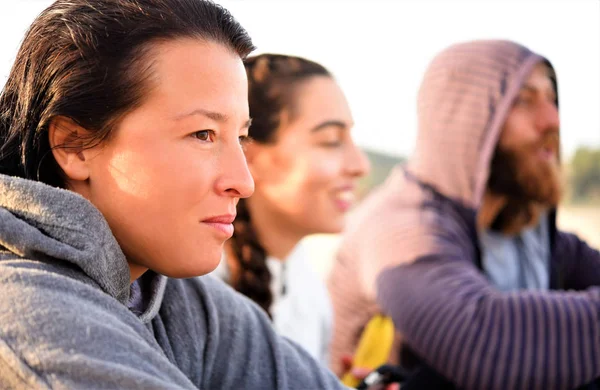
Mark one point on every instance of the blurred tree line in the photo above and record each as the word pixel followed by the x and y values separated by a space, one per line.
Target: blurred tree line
pixel 381 165
pixel 583 174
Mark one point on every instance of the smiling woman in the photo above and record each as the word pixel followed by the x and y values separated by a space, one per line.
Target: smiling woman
pixel 305 165
pixel 122 126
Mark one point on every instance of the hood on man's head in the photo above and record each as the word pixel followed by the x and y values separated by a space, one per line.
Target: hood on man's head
pixel 464 99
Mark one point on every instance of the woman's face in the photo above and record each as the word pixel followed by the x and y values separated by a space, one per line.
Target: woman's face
pixel 169 178
pixel 307 178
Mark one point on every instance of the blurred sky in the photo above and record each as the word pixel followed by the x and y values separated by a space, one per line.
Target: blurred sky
pixel 378 51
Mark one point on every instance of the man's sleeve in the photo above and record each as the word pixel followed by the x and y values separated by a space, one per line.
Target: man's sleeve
pixel 352 307
pixel 481 338
pixel 580 263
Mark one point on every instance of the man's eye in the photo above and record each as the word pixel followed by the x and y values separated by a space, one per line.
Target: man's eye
pixel 331 144
pixel 523 101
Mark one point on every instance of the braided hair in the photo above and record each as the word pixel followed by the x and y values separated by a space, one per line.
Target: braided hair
pixel 272 81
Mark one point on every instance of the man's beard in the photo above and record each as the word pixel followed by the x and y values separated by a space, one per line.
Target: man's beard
pixel 528 182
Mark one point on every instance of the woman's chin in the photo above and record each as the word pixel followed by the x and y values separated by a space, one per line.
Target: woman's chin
pixel 201 266
pixel 333 226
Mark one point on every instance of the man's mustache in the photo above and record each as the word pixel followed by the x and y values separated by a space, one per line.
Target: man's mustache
pixel 550 140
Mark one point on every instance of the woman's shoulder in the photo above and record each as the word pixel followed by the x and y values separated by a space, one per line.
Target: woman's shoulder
pixel 36 293
pixel 42 278
pixel 241 343
pixel 74 330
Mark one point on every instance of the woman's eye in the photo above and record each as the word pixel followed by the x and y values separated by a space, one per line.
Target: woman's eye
pixel 331 137
pixel 204 135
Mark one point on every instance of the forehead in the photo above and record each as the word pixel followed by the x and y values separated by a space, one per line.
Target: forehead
pixel 541 78
pixel 192 73
pixel 321 98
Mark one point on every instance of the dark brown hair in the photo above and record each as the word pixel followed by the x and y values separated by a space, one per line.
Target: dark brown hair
pixel 272 83
pixel 89 61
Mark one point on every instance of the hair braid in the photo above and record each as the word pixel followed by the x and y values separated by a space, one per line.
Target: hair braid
pixel 272 79
pixel 254 278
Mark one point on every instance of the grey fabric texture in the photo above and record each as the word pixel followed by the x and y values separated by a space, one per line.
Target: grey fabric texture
pixel 67 320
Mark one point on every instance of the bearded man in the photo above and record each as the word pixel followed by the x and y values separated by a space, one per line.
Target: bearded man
pixel 460 247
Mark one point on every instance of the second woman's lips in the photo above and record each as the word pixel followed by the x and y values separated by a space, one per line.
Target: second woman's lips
pixel 344 197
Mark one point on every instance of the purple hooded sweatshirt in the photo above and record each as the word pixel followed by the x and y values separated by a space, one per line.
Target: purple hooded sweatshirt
pixel 413 249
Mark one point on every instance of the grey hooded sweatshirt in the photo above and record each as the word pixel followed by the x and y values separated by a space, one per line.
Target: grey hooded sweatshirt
pixel 69 318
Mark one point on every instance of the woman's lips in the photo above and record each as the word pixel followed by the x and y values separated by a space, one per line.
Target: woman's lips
pixel 222 223
pixel 344 199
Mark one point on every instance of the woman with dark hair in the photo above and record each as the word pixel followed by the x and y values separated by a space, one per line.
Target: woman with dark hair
pixel 121 163
pixel 305 166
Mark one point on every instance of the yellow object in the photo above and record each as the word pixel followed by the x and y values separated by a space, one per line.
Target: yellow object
pixel 373 348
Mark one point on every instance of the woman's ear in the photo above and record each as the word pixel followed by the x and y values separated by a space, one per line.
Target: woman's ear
pixel 67 142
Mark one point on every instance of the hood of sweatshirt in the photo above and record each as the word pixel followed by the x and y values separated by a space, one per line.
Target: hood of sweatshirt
pixel 39 222
pixel 463 102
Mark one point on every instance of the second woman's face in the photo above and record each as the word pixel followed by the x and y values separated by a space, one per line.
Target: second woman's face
pixel 308 176
pixel 169 178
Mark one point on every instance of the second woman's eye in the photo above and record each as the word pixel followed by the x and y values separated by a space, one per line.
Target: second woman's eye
pixel 204 135
pixel 245 140
pixel 329 137
pixel 330 140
